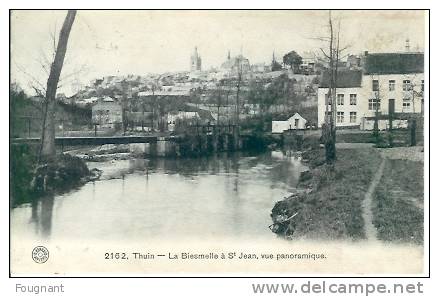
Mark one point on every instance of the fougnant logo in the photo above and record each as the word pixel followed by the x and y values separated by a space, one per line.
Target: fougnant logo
pixel 40 254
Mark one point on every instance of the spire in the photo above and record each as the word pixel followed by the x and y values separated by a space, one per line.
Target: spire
pixel 196 52
pixel 274 59
pixel 228 55
pixel 407 45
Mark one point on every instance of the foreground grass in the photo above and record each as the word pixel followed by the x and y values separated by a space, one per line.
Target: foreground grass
pixel 398 202
pixel 334 207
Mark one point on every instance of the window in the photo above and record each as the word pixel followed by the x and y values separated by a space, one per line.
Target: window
pixel 353 117
pixel 328 114
pixel 340 116
pixel 374 104
pixel 391 85
pixel 340 99
pixel 375 85
pixel 353 99
pixel 406 104
pixel 296 123
pixel 406 86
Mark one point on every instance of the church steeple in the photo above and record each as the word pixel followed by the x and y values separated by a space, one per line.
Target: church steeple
pixel 195 61
pixel 228 55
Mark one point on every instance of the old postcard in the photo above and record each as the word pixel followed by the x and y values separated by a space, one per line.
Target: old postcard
pixel 218 142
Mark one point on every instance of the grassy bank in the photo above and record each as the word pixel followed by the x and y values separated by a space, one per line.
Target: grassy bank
pixel 398 202
pixel 332 208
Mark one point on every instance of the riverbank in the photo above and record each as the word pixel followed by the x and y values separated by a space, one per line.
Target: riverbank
pixel 332 207
pixel 30 180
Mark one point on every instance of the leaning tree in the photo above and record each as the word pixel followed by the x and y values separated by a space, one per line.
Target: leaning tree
pixel 47 152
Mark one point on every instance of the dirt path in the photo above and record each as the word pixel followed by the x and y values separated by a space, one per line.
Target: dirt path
pixel 371 231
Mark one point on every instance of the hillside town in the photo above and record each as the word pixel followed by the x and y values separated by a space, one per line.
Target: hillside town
pixel 162 102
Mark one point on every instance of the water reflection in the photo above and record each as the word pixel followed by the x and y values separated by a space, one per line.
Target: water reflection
pixel 41 215
pixel 225 195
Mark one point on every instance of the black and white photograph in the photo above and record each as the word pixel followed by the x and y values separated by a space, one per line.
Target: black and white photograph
pixel 218 142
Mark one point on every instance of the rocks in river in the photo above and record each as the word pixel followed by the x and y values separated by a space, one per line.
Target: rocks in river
pixel 107 157
pixel 103 153
pixel 111 149
pixel 95 174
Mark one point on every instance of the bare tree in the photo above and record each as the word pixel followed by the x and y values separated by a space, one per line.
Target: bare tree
pixel 333 55
pixel 415 90
pixel 47 152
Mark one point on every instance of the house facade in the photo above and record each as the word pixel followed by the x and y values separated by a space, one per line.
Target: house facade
pixel 107 113
pixel 296 122
pixel 349 102
pixel 387 81
pixel 392 80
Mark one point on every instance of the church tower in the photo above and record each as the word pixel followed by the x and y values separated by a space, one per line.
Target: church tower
pixel 195 61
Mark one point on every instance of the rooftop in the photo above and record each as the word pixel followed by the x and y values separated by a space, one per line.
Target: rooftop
pixel 394 63
pixel 345 79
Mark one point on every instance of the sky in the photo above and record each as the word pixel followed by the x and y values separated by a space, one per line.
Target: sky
pixel 139 42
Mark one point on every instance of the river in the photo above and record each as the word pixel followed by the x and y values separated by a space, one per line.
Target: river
pixel 216 204
pixel 229 195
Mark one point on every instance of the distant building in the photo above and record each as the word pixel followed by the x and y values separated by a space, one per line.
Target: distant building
pixel 195 61
pixel 236 64
pixel 309 61
pixel 179 90
pixel 260 67
pixel 107 113
pixel 296 122
pixel 353 62
pixel 190 115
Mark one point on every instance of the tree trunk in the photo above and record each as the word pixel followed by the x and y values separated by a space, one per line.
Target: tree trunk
pixel 328 129
pixel 48 137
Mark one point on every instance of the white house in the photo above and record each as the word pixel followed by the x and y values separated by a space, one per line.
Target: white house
pixel 387 80
pixel 296 122
pixel 348 99
pixel 392 80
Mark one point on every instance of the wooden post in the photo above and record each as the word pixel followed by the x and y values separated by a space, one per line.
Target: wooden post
pixel 391 112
